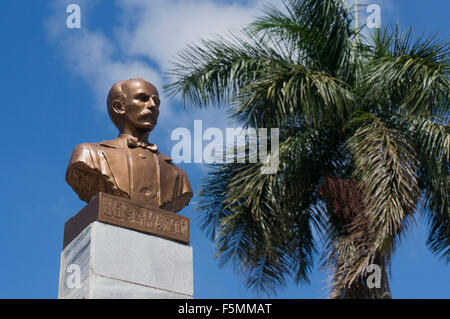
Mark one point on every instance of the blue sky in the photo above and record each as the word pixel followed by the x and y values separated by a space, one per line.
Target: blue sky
pixel 55 82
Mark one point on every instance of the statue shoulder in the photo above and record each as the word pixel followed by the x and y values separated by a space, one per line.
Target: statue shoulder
pixel 179 187
pixel 93 148
pixel 82 147
pixel 80 151
pixel 165 158
pixel 86 173
pixel 171 164
pixel 83 152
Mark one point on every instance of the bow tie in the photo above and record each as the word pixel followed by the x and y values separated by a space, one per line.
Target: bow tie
pixel 132 143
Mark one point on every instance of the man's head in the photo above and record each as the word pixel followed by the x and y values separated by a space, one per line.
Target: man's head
pixel 133 103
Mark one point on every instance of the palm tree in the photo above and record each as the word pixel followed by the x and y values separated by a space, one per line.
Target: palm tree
pixel 364 144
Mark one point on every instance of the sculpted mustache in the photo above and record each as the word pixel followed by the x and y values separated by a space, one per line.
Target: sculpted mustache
pixel 146 114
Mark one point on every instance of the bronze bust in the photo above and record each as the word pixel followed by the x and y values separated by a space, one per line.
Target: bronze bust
pixel 129 166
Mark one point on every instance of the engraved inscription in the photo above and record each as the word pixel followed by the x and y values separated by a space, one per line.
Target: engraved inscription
pixel 144 219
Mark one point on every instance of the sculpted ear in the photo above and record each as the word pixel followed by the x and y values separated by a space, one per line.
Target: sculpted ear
pixel 118 107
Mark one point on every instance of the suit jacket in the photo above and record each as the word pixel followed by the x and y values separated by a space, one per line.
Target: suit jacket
pixel 102 167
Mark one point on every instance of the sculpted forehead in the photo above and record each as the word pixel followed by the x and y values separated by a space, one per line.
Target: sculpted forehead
pixel 133 86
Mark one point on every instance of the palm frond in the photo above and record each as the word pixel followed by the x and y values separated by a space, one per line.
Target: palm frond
pixel 387 167
pixel 319 31
pixel 213 72
pixel 433 145
pixel 263 224
pixel 293 90
pixel 411 76
pixel 374 114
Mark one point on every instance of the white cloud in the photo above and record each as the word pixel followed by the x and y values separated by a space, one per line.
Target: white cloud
pixel 152 30
pixel 89 55
pixel 148 36
pixel 158 29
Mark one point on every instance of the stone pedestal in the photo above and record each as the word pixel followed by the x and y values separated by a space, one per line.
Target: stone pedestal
pixel 107 261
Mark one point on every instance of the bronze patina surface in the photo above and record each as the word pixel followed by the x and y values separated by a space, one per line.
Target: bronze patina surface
pixel 147 187
pixel 129 166
pixel 125 213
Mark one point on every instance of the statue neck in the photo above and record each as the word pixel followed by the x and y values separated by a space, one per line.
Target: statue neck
pixel 140 135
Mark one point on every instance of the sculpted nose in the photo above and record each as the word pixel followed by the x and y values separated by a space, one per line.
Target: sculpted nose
pixel 151 103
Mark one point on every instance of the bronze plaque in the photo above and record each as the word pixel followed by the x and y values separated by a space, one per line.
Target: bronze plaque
pixel 121 212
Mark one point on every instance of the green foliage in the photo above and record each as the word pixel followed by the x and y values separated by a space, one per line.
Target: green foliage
pixel 374 114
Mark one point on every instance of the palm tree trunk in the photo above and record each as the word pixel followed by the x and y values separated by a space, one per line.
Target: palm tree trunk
pixel 384 292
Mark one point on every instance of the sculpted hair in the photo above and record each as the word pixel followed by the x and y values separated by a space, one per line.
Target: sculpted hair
pixel 116 93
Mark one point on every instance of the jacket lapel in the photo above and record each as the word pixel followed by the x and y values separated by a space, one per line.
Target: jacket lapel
pixel 116 160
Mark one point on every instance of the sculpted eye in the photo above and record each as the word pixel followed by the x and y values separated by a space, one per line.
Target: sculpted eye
pixel 156 100
pixel 142 97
